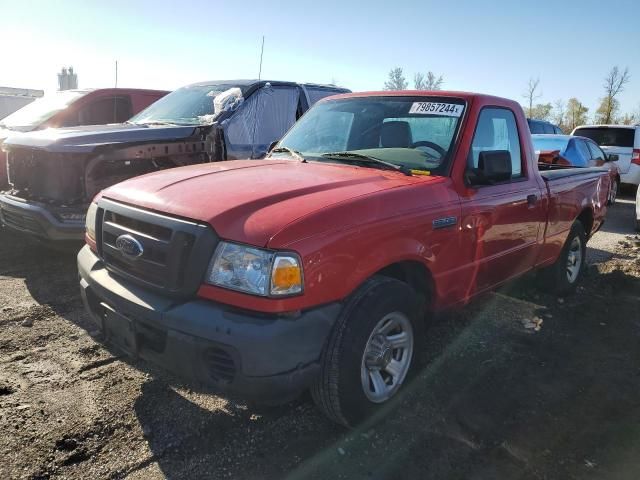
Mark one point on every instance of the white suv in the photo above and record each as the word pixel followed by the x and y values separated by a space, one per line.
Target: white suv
pixel 621 140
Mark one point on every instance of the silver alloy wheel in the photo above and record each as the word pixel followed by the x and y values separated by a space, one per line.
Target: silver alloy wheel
pixel 574 259
pixel 387 357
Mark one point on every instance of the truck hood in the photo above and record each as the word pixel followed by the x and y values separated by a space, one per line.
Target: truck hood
pixel 250 201
pixel 87 139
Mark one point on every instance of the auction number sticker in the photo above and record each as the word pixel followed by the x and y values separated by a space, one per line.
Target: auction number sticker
pixel 435 108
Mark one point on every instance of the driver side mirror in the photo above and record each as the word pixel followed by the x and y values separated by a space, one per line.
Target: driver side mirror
pixel 493 166
pixel 272 145
pixel 612 157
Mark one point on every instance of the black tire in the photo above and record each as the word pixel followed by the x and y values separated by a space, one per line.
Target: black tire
pixel 613 194
pixel 555 278
pixel 339 391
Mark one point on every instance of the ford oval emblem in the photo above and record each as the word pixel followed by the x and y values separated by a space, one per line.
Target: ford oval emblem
pixel 129 246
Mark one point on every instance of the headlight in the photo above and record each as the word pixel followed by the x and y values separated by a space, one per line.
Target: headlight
pixel 90 220
pixel 254 270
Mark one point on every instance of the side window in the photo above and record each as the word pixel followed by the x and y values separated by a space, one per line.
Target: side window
pixel 264 117
pixel 575 153
pixel 596 153
pixel 584 152
pixel 497 130
pixel 316 94
pixel 557 130
pixel 548 128
pixel 105 110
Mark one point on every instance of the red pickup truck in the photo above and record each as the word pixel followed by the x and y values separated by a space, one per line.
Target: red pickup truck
pixel 317 267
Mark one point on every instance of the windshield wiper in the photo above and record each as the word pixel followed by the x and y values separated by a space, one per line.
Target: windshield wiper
pixel 359 157
pixel 294 153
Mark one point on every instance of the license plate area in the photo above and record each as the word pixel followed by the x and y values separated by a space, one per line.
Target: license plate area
pixel 120 331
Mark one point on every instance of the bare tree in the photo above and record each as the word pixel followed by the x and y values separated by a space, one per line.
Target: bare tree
pixel 614 83
pixel 541 111
pixel 532 93
pixel 433 82
pixel 396 80
pixel 576 114
pixel 428 82
pixel 628 119
pixel 558 113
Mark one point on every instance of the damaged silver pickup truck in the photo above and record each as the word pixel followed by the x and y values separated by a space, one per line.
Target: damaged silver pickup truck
pixel 54 174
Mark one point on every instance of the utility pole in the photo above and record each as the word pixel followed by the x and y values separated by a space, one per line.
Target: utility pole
pixel 261 52
pixel 116 74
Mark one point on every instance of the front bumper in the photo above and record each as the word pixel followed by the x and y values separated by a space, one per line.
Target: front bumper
pixel 36 219
pixel 263 357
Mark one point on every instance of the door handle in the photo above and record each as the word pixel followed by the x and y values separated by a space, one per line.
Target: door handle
pixel 532 200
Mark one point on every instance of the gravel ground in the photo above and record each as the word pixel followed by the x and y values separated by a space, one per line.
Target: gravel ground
pixel 521 385
pixel 619 224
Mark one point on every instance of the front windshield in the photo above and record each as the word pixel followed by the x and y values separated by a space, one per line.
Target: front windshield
pixel 544 143
pixel 410 132
pixel 39 111
pixel 191 105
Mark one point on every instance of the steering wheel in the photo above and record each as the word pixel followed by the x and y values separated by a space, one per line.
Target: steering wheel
pixel 431 145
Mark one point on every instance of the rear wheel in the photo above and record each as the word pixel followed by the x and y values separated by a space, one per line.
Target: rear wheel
pixel 373 349
pixel 563 276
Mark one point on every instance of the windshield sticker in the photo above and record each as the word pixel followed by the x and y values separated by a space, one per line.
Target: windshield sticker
pixel 436 108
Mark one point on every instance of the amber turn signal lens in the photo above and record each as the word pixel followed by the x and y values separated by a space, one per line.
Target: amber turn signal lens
pixel 286 276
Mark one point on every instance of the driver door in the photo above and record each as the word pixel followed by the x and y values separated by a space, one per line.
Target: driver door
pixel 503 220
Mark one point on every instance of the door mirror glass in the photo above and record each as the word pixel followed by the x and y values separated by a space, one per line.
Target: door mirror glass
pixel 612 157
pixel 493 166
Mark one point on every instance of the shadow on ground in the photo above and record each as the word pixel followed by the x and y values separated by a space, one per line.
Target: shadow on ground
pixel 495 401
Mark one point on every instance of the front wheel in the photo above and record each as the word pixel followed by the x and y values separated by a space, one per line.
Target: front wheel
pixel 373 349
pixel 563 276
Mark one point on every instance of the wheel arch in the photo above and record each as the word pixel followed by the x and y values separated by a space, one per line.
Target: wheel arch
pixel 586 218
pixel 415 274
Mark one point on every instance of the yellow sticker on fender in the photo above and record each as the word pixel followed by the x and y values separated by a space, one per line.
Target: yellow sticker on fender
pixel 436 108
pixel 420 172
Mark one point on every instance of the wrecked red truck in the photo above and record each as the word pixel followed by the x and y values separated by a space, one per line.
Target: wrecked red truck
pixel 317 267
pixel 70 108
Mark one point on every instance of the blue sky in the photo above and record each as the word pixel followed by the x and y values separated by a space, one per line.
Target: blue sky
pixel 489 47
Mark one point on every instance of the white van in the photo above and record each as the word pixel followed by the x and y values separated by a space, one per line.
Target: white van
pixel 621 140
